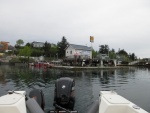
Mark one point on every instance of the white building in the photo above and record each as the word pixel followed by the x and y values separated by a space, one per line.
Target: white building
pixel 78 50
pixel 38 44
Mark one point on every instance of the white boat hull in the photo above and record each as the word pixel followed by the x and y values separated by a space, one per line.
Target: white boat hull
pixel 13 103
pixel 111 102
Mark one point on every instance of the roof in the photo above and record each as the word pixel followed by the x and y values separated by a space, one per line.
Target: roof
pixel 38 42
pixel 10 47
pixel 80 47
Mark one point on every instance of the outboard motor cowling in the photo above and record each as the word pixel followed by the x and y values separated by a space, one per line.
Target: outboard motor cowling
pixel 64 93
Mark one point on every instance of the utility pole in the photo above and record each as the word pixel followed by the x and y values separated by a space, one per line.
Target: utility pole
pixel 91 40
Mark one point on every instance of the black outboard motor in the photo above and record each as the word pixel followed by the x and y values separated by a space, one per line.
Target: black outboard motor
pixel 64 93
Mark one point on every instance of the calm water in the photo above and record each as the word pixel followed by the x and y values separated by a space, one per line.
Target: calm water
pixel 132 83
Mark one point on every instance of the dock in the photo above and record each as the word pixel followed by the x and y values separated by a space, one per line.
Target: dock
pixel 88 67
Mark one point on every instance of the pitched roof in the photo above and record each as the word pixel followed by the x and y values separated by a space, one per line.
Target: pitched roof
pixel 10 47
pixel 37 42
pixel 81 47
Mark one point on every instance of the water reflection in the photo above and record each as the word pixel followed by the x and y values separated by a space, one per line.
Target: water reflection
pixel 129 82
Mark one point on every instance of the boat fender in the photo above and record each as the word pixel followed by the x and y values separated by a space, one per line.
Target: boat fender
pixel 94 107
pixel 38 95
pixel 33 106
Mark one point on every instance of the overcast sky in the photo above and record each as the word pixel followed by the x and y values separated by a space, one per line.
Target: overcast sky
pixel 123 24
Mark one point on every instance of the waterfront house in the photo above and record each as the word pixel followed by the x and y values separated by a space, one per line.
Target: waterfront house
pixel 38 44
pixel 3 46
pixel 78 50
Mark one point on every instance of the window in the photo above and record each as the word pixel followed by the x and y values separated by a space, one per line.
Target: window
pixel 70 52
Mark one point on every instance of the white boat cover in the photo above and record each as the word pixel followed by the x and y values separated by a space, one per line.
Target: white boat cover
pixel 111 102
pixel 13 103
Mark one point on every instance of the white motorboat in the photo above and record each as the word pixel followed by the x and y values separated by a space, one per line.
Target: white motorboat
pixel 64 100
pixel 111 102
pixel 16 102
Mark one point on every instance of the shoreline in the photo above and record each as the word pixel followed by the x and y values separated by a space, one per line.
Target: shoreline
pixel 78 67
pixel 89 68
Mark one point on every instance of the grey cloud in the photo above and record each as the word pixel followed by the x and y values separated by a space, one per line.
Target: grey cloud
pixel 120 24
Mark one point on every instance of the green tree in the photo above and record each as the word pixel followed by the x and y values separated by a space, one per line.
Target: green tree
pixel 132 57
pixel 46 48
pixel 26 51
pixel 94 53
pixel 36 52
pixel 104 49
pixel 112 54
pixel 123 55
pixel 19 42
pixel 122 52
pixel 29 45
pixel 62 46
pixel 53 51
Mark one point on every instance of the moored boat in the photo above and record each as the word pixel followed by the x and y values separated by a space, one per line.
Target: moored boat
pixel 147 64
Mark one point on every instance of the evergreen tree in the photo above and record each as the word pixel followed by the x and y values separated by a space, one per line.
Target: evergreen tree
pixel 104 49
pixel 46 48
pixel 29 45
pixel 61 46
pixel 132 57
pixel 122 52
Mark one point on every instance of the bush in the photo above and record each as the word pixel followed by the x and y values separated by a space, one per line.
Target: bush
pixel 21 60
